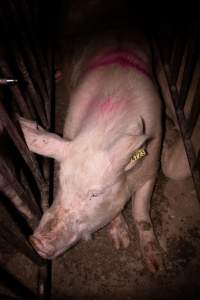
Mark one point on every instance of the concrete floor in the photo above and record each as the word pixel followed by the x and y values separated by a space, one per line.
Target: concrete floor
pixel 95 270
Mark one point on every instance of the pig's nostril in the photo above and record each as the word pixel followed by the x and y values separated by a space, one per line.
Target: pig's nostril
pixel 36 243
pixel 46 251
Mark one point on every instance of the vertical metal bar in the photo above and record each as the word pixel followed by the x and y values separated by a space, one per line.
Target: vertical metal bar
pixel 37 61
pixel 183 128
pixel 194 114
pixel 15 285
pixel 27 48
pixel 19 244
pixel 31 90
pixel 21 146
pixel 191 58
pixel 177 53
pixel 18 196
pixel 44 282
pixel 23 105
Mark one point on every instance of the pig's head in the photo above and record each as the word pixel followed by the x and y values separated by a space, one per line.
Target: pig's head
pixel 92 182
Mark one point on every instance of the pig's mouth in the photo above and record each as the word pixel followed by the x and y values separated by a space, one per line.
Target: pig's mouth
pixel 49 251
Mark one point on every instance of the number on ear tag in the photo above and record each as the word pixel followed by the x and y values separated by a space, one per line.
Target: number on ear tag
pixel 138 154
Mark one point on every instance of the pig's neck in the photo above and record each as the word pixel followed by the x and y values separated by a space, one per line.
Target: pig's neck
pixel 106 120
pixel 125 58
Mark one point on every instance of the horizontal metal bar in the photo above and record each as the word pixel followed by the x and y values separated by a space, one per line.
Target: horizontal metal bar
pixel 15 285
pixel 7 81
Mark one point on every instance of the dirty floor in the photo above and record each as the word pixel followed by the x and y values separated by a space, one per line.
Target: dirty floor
pixel 95 270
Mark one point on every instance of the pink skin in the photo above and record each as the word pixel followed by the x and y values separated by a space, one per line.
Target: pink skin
pixel 111 114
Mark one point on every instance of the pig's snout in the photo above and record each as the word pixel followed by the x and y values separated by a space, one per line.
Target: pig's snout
pixel 44 250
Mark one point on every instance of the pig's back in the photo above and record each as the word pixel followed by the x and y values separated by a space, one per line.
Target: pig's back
pixel 121 84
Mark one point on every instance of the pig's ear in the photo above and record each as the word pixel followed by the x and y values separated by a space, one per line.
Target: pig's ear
pixel 121 152
pixel 41 141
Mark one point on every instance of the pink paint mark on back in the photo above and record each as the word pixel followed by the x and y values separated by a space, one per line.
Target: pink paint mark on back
pixel 123 58
pixel 108 108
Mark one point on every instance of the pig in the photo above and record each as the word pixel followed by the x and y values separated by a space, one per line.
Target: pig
pixel 114 111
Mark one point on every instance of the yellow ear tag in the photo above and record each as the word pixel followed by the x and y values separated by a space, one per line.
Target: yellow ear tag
pixel 138 154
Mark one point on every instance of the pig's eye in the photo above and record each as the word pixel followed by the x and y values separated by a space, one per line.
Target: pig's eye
pixel 94 194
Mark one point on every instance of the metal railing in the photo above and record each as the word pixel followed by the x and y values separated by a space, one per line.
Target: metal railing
pixel 26 89
pixel 178 49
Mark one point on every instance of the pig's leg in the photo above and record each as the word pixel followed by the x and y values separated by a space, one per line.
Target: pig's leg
pixel 118 231
pixel 148 243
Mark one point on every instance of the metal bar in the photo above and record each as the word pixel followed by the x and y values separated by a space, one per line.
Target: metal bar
pixel 197 164
pixel 40 56
pixel 31 89
pixel 26 154
pixel 7 81
pixel 18 196
pixel 177 54
pixel 20 244
pixel 15 285
pixel 24 106
pixel 44 282
pixel 6 297
pixel 194 114
pixel 26 59
pixel 191 57
pixel 183 129
pixel 30 61
pixel 36 61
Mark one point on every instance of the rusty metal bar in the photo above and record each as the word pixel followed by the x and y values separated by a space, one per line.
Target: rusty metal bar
pixel 15 286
